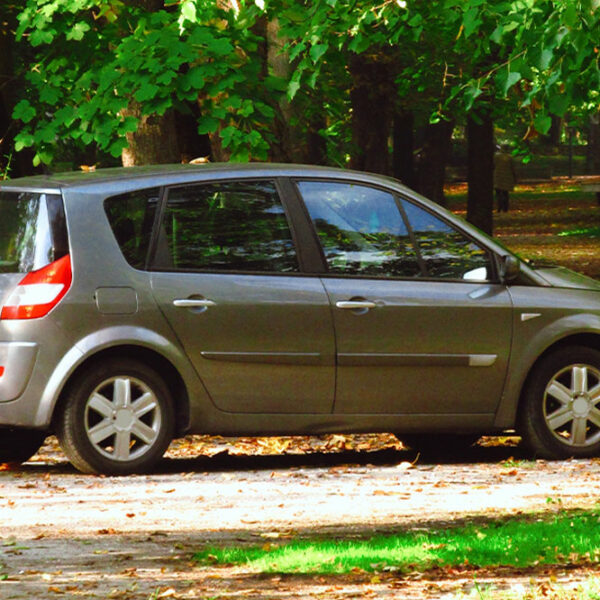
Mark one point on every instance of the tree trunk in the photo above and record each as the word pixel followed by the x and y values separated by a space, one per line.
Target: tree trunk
pixel 371 114
pixel 480 165
pixel 432 159
pixel 555 132
pixel 403 163
pixel 593 148
pixel 593 145
pixel 291 146
pixel 316 145
pixel 154 142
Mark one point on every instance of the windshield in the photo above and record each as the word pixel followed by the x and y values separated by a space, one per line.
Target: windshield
pixel 33 231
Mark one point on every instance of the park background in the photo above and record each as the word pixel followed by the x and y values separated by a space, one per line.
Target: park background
pixel 424 91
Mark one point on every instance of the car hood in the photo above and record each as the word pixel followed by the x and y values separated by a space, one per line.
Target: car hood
pixel 565 278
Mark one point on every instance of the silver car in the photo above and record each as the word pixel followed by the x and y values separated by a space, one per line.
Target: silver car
pixel 138 305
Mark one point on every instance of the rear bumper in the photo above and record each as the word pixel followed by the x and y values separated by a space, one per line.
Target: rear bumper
pixel 16 365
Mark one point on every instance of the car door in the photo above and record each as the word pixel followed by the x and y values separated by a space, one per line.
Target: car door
pixel 228 280
pixel 422 327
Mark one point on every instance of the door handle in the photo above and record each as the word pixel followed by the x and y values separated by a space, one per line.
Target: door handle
pixel 355 304
pixel 193 303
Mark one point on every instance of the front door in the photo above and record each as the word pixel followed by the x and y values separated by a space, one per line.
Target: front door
pixel 421 326
pixel 258 332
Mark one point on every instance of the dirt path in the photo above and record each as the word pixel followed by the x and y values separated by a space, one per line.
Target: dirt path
pixel 63 534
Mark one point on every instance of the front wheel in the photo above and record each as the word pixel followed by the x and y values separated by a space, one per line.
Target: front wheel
pixel 560 416
pixel 117 418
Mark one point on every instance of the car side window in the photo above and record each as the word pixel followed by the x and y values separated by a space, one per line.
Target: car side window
pixel 360 229
pixel 447 253
pixel 131 217
pixel 228 226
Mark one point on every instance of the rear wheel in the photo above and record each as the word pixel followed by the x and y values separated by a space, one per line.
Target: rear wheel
pixel 117 418
pixel 560 416
pixel 19 445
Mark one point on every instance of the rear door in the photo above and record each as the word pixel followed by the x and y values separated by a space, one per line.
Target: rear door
pixel 227 277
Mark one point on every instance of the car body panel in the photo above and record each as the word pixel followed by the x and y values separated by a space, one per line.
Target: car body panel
pixel 423 341
pixel 266 345
pixel 543 318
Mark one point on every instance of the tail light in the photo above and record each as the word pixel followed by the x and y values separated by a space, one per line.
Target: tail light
pixel 39 291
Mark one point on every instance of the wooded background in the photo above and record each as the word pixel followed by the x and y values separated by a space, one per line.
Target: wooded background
pixel 386 86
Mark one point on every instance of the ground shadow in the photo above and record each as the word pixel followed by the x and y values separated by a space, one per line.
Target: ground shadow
pixel 225 461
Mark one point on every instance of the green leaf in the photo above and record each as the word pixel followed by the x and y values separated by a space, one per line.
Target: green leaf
pixel 512 77
pixel 220 47
pixel 227 135
pixel 546 56
pixel 317 51
pixel 360 44
pixel 188 10
pixel 195 77
pixel 127 125
pixel 542 123
pixel 146 92
pixel 471 21
pixel 497 35
pixel 42 156
pixel 78 31
pixel 293 88
pixel 296 50
pixel 117 147
pixel 240 155
pixel 207 125
pixel 234 101
pixel 41 36
pixel 49 95
pixel 23 140
pixel 559 104
pixel 45 134
pixel 471 94
pixel 166 77
pixel 24 111
pixel 265 110
pixel 247 108
pixel 570 16
pixel 65 116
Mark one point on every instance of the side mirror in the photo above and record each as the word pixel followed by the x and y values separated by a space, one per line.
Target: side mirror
pixel 510 267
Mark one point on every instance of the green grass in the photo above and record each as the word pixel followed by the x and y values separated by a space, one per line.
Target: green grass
pixel 593 232
pixel 566 537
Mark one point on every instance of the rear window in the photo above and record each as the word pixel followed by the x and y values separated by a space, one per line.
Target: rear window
pixel 33 231
pixel 131 217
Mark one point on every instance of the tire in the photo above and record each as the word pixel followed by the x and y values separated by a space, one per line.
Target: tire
pixel 435 443
pixel 19 445
pixel 559 417
pixel 117 418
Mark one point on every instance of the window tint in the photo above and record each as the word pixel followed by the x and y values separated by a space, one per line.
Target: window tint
pixel 131 217
pixel 447 252
pixel 231 226
pixel 360 228
pixel 33 231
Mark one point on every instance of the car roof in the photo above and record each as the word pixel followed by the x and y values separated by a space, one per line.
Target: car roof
pixel 164 174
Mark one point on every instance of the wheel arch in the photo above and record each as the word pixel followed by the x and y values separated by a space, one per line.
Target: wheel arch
pixel 587 340
pixel 159 363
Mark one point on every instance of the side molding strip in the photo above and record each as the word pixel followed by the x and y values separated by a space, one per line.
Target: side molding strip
pixel 416 360
pixel 529 316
